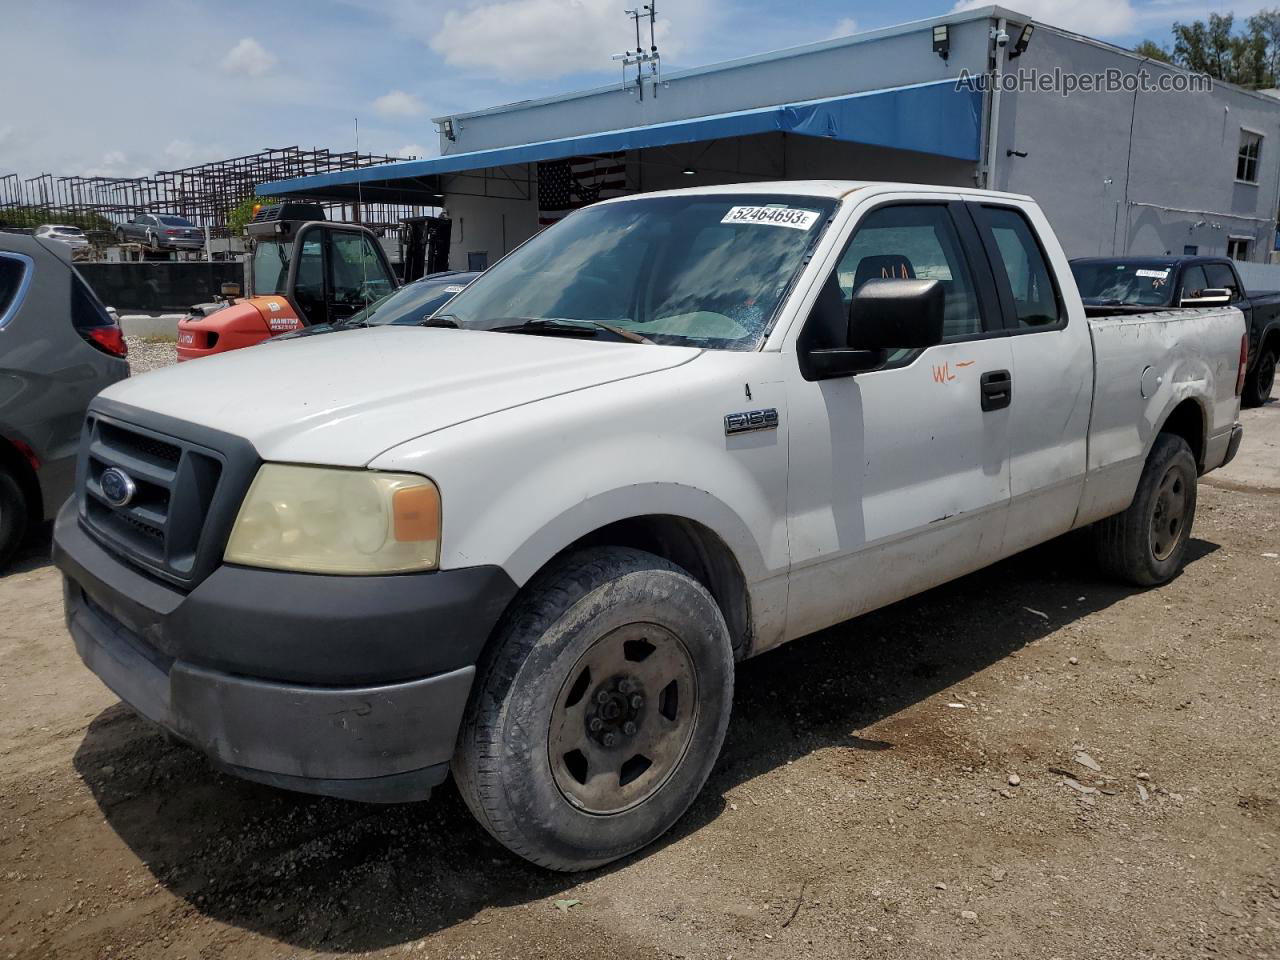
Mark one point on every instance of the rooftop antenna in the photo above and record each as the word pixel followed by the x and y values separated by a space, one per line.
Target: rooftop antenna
pixel 648 63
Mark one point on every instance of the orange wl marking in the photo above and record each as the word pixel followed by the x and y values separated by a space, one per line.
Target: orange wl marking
pixel 943 373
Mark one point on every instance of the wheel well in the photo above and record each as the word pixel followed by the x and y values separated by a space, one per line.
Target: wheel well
pixel 11 459
pixel 694 548
pixel 1187 421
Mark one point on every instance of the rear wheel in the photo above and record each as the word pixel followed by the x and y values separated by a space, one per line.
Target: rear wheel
pixel 600 711
pixel 1147 543
pixel 1257 386
pixel 13 516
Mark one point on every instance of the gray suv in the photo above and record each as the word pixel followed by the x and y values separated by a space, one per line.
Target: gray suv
pixel 58 348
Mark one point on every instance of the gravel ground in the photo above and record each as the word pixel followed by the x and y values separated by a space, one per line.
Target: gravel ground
pixel 149 353
pixel 1029 762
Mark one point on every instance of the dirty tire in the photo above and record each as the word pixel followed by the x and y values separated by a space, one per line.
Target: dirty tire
pixel 13 516
pixel 1258 384
pixel 567 615
pixel 1126 546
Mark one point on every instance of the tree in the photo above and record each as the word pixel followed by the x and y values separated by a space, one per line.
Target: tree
pixel 1153 51
pixel 239 216
pixel 1248 57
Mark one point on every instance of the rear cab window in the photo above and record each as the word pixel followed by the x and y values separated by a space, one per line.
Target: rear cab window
pixel 1221 277
pixel 1026 284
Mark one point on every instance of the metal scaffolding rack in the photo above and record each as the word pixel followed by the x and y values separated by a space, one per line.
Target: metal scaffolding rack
pixel 205 194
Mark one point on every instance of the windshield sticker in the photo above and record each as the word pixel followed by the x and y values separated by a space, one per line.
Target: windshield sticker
pixel 772 216
pixel 1154 274
pixel 453 288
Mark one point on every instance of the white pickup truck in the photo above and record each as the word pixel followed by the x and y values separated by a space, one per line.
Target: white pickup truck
pixel 528 540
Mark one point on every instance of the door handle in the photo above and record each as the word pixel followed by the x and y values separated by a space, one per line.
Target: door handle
pixel 997 389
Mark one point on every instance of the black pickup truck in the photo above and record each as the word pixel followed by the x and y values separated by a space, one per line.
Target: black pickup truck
pixel 1117 285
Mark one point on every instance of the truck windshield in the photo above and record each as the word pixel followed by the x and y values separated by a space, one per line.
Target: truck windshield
pixel 270 268
pixel 707 270
pixel 1125 282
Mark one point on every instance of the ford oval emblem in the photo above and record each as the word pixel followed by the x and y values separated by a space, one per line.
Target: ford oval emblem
pixel 118 488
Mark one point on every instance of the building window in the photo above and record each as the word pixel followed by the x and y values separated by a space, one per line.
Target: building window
pixel 478 260
pixel 1238 248
pixel 1190 250
pixel 1247 158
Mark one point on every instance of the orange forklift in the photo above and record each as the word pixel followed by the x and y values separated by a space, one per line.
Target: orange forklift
pixel 301 270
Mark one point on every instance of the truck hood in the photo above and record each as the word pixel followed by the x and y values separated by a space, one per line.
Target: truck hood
pixel 345 398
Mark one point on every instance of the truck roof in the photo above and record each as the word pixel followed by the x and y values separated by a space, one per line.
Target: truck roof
pixel 1171 259
pixel 835 189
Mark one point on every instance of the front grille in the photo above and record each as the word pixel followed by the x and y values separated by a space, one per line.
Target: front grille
pixel 175 482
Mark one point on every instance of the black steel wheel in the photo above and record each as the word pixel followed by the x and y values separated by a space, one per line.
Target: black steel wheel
pixel 1147 543
pixel 598 711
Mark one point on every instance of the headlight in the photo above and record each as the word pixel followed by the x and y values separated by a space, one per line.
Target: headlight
pixel 329 520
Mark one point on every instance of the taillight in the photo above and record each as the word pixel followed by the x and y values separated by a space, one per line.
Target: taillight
pixel 108 339
pixel 171 233
pixel 1244 361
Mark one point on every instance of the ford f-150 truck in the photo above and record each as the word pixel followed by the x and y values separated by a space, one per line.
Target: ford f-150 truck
pixel 1112 286
pixel 528 540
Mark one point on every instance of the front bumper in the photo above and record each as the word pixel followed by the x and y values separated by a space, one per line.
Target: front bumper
pixel 344 686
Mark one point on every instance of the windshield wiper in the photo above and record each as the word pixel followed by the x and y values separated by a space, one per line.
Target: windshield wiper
pixel 443 320
pixel 569 327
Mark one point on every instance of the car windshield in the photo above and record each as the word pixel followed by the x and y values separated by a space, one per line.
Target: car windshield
pixel 270 268
pixel 1125 282
pixel 175 222
pixel 707 270
pixel 409 305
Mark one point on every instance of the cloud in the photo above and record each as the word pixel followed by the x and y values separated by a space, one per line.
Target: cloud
pixel 846 26
pixel 1095 18
pixel 410 150
pixel 550 38
pixel 397 103
pixel 248 57
pixel 117 163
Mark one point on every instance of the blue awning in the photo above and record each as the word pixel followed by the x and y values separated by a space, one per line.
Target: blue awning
pixel 934 118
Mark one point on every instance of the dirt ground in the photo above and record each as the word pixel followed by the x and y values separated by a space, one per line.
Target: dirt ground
pixel 863 806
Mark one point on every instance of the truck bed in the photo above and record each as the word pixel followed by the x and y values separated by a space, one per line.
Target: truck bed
pixel 1146 366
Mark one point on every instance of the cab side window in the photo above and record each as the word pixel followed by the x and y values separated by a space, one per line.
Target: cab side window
pixel 1193 282
pixel 1219 276
pixel 1035 298
pixel 902 242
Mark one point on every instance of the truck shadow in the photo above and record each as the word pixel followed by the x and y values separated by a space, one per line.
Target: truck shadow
pixel 337 876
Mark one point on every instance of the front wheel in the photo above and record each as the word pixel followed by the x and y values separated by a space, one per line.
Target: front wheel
pixel 1147 543
pixel 1257 386
pixel 600 710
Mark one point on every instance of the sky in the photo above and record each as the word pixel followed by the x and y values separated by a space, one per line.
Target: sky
pixel 134 86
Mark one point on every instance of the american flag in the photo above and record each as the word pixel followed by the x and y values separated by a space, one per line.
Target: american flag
pixel 566 185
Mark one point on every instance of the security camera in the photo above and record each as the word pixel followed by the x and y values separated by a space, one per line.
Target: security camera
pixel 1002 39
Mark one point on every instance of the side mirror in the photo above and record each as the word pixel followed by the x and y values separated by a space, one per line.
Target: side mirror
pixel 884 315
pixel 896 315
pixel 1210 297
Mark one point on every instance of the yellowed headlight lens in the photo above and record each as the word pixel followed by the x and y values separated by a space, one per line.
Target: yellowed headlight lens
pixel 329 520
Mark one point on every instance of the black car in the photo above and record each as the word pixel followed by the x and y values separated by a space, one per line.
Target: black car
pixel 409 306
pixel 1118 285
pixel 58 348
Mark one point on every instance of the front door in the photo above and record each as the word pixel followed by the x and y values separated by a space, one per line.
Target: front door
pixel 899 477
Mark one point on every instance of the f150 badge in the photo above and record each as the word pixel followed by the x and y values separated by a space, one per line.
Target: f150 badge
pixel 751 420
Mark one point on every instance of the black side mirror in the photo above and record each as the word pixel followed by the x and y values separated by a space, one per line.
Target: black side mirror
pixel 896 315
pixel 884 315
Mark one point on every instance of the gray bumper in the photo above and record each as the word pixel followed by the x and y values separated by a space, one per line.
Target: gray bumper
pixel 385 743
pixel 345 686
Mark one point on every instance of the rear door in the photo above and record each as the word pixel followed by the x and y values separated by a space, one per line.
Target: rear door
pixel 1052 372
pixel 899 477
